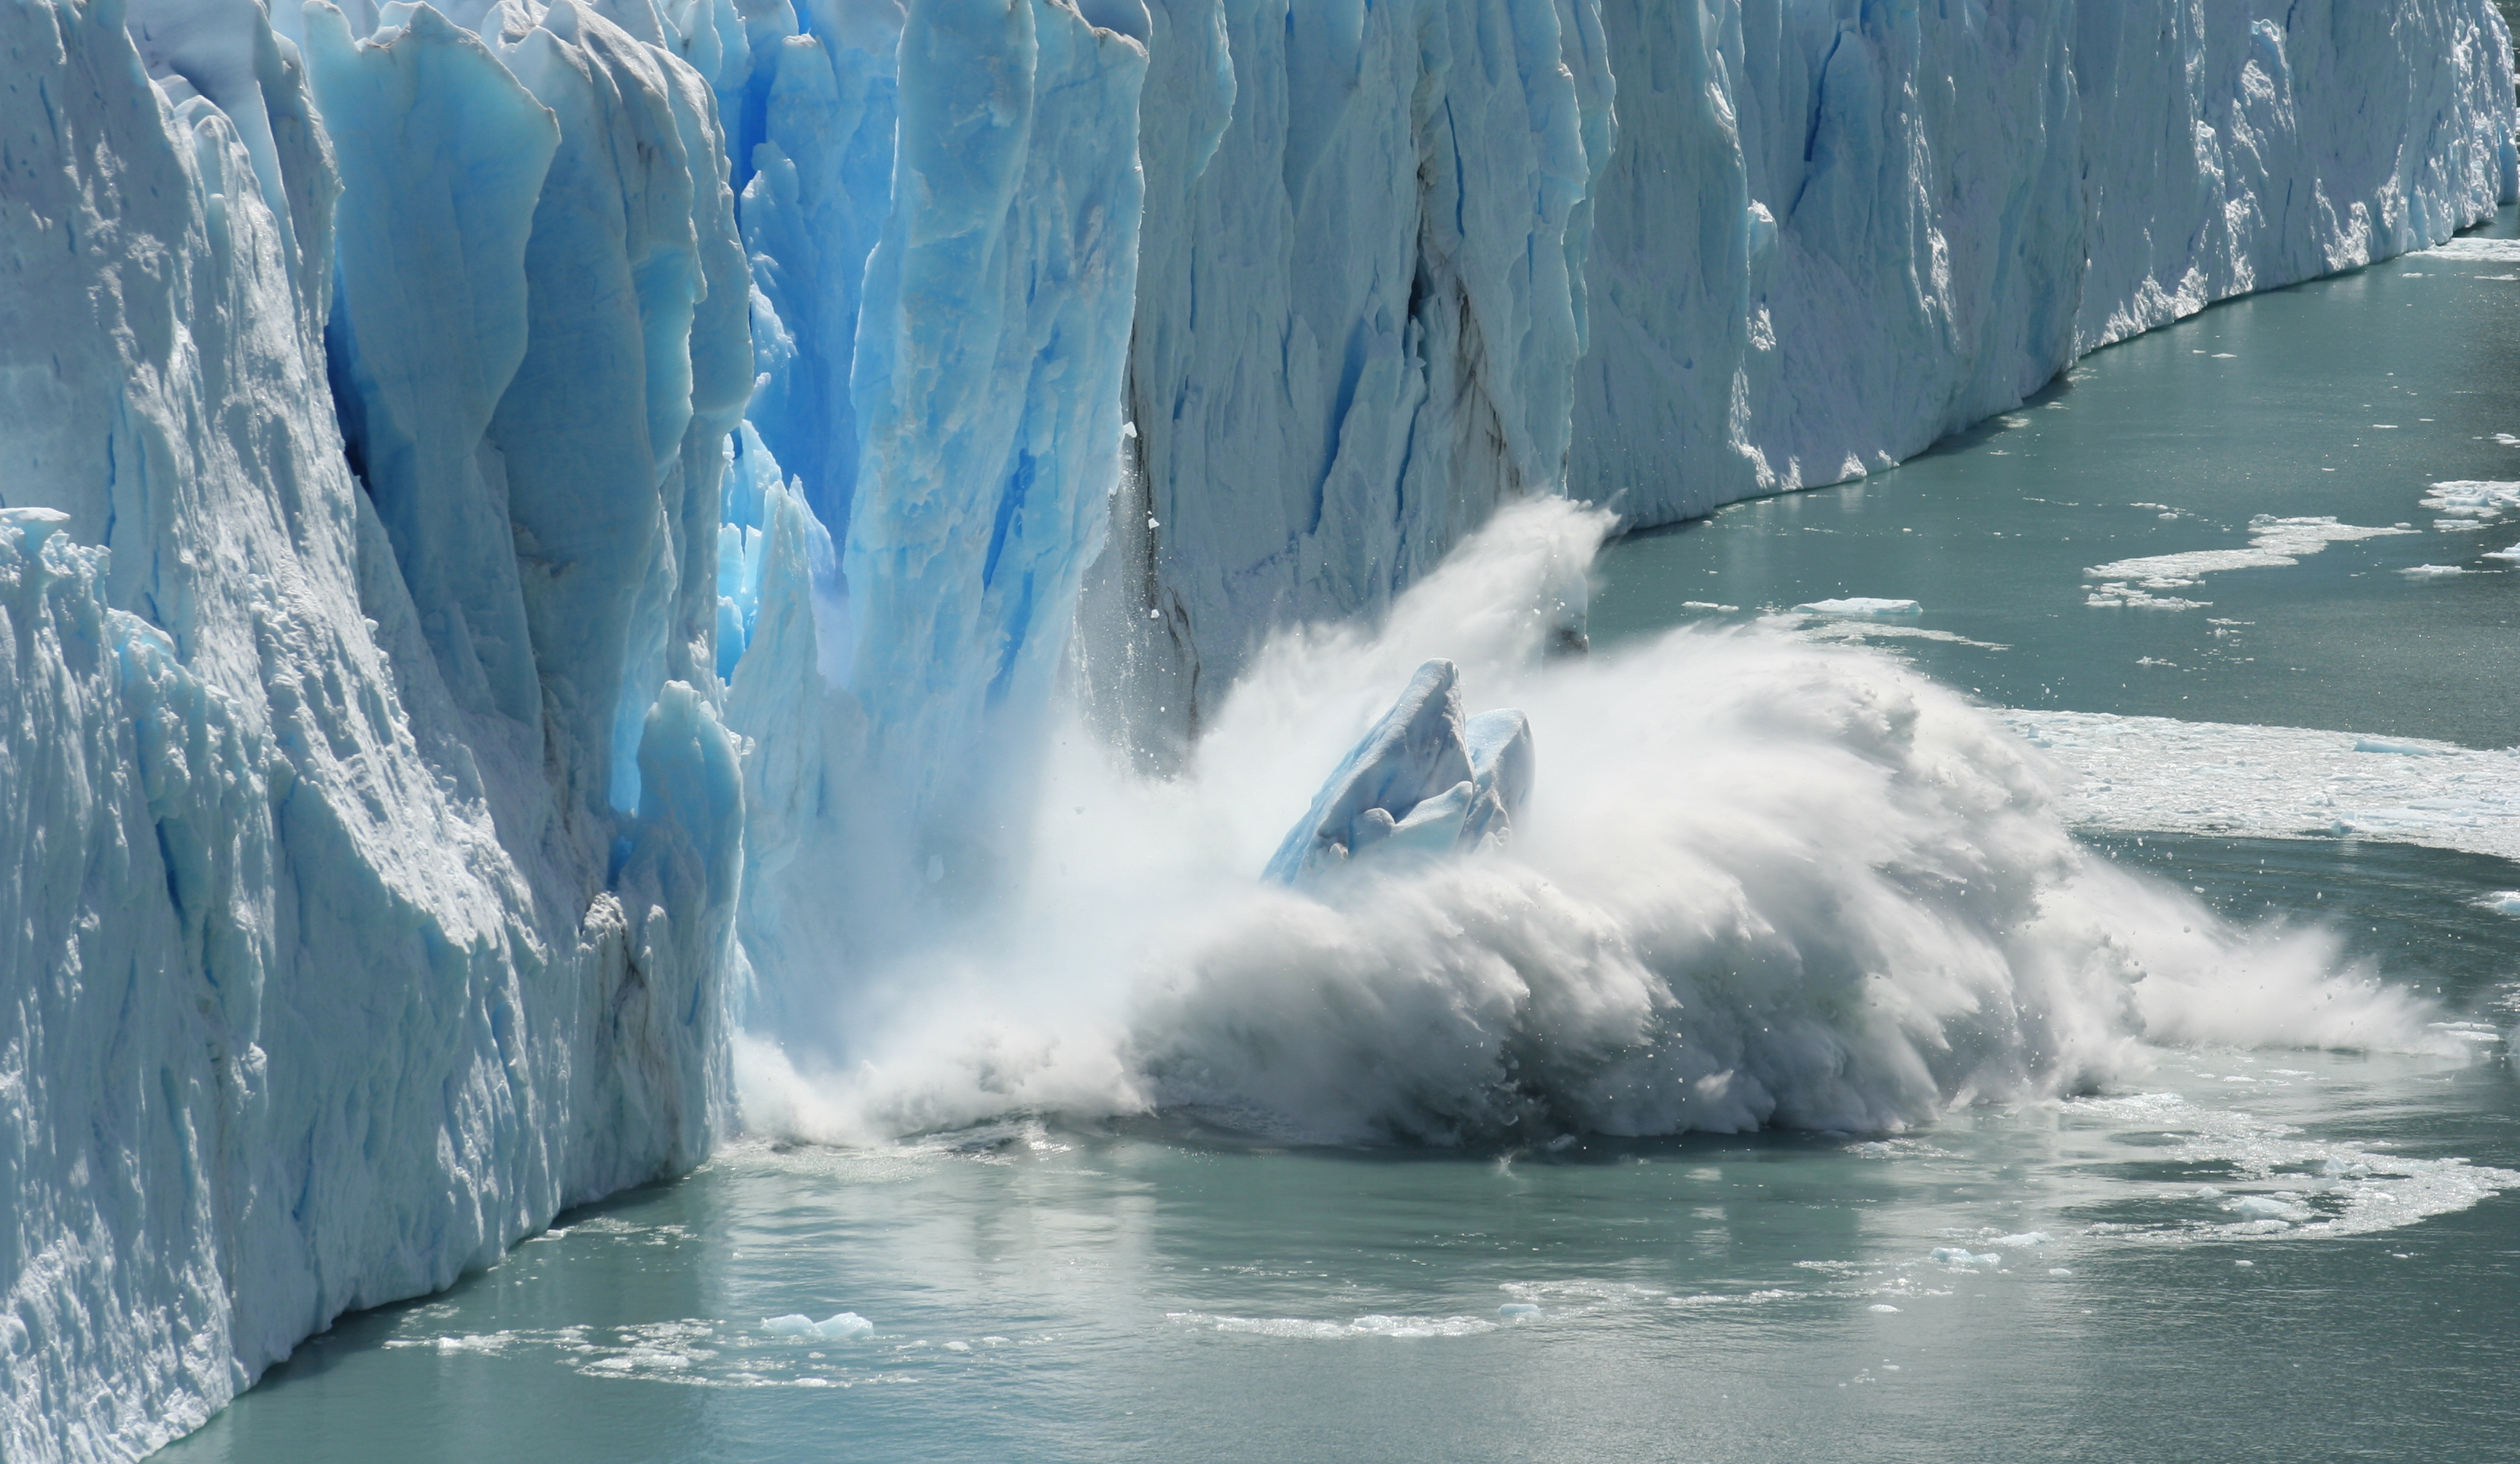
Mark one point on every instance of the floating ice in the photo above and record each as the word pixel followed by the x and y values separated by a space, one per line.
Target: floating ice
pixel 2471 499
pixel 1375 1325
pixel 1963 1256
pixel 1519 1312
pixel 1860 605
pixel 2025 1240
pixel 2120 595
pixel 2476 250
pixel 2272 543
pixel 842 1326
pixel 2148 773
pixel 2431 570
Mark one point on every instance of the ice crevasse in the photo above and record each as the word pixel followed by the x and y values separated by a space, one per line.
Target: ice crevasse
pixel 522 527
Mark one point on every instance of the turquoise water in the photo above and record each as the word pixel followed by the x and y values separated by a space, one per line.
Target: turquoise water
pixel 2241 1253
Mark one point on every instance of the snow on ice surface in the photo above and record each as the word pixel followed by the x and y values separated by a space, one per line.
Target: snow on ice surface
pixel 2154 773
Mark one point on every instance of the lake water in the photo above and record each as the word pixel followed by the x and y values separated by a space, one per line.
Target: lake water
pixel 2245 1253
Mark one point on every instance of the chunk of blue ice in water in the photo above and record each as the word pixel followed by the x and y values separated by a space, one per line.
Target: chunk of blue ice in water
pixel 1517 1311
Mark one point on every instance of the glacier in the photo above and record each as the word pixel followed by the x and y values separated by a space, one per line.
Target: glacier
pixel 539 543
pixel 1807 241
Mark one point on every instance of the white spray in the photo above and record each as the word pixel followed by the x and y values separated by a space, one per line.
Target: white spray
pixel 1761 881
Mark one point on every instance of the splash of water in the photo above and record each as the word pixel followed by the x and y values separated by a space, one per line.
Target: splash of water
pixel 1761 881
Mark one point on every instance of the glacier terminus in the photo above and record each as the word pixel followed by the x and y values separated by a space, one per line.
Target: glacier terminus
pixel 541 543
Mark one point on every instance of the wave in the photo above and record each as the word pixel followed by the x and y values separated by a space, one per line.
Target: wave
pixel 1761 881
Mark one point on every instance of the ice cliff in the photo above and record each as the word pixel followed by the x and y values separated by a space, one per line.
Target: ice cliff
pixel 1810 237
pixel 332 962
pixel 534 535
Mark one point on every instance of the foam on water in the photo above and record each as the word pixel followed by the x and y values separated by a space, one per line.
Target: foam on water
pixel 1761 881
pixel 2477 250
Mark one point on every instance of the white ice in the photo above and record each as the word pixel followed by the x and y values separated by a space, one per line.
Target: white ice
pixel 2273 542
pixel 2148 773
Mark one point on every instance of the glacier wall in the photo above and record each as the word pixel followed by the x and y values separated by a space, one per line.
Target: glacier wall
pixel 1361 306
pixel 1905 218
pixel 332 963
pixel 1817 236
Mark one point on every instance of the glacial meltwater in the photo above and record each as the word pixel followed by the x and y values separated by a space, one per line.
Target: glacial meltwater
pixel 2250 577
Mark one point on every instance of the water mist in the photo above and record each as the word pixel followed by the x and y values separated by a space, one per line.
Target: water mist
pixel 1760 881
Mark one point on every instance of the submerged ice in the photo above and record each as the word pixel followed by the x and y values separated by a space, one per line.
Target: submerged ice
pixel 540 545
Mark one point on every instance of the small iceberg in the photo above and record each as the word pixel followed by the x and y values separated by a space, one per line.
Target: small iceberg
pixel 1861 606
pixel 1960 1254
pixel 848 1326
pixel 1519 1312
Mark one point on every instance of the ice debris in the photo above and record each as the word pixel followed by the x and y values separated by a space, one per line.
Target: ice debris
pixel 844 1326
pixel 2272 543
pixel 1424 780
pixel 1863 605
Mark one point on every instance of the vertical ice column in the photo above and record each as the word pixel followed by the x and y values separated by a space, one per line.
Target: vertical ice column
pixel 430 327
pixel 987 386
pixel 820 189
pixel 636 366
pixel 1360 309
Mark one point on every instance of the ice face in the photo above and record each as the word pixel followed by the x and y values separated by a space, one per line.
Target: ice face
pixel 1876 258
pixel 1798 255
pixel 312 937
